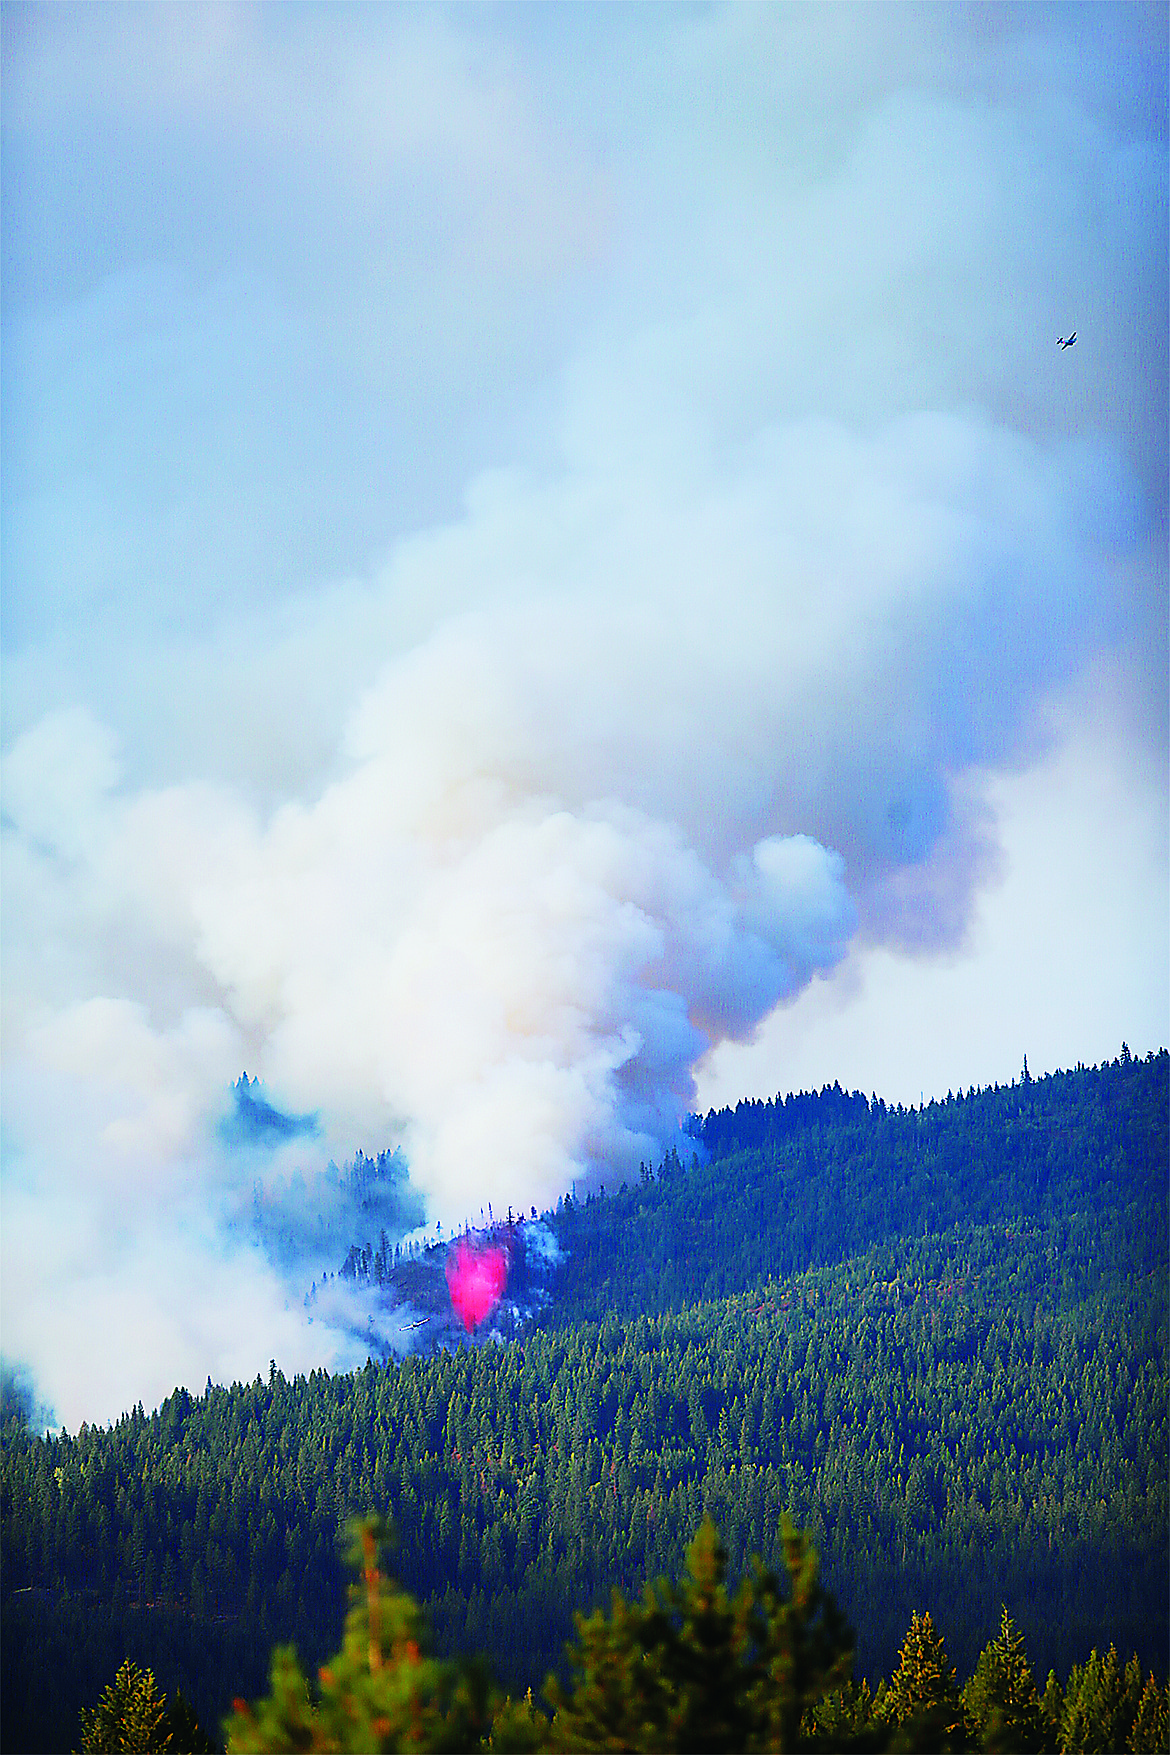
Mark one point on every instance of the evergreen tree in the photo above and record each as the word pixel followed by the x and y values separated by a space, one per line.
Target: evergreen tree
pixel 939 1337
pixel 1052 1711
pixel 1100 1705
pixel 187 1735
pixel 692 1668
pixel 1001 1699
pixel 845 1719
pixel 130 1717
pixel 381 1691
pixel 923 1696
pixel 519 1727
pixel 1151 1727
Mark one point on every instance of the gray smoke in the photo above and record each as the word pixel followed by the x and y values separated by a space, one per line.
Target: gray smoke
pixel 787 525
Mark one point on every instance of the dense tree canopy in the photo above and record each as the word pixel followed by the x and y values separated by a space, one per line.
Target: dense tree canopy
pixel 691 1667
pixel 936 1339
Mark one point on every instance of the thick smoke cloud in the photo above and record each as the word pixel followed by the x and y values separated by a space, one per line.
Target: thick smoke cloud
pixel 791 523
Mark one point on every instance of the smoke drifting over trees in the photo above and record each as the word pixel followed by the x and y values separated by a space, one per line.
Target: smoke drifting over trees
pixel 683 676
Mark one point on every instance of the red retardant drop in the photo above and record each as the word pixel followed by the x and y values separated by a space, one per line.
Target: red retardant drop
pixel 476 1278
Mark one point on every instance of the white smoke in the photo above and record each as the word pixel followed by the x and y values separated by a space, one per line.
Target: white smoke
pixel 483 850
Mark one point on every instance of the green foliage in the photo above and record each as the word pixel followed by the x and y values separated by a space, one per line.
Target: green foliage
pixel 381 1691
pixel 1001 1699
pixel 1100 1705
pixel 1105 1706
pixel 923 1695
pixel 1151 1726
pixel 845 1719
pixel 691 1667
pixel 186 1733
pixel 937 1338
pixel 130 1716
pixel 519 1727
pixel 808 1181
pixel 1052 1711
pixel 133 1716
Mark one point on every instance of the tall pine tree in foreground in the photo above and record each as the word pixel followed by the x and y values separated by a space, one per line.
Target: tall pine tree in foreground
pixel 692 1667
pixel 923 1694
pixel 131 1716
pixel 1101 1704
pixel 381 1692
pixel 1001 1698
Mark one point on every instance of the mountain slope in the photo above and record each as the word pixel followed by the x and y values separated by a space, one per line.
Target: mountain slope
pixel 811 1180
pixel 964 1417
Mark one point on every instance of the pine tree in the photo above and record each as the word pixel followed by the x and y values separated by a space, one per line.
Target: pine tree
pixel 129 1717
pixel 846 1718
pixel 1151 1727
pixel 1001 1697
pixel 187 1735
pixel 923 1694
pixel 692 1668
pixel 1101 1705
pixel 1052 1710
pixel 381 1691
pixel 519 1727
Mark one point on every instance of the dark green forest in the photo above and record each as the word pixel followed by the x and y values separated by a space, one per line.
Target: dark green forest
pixel 937 1338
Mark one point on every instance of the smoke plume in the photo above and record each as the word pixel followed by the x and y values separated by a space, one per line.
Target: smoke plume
pixel 474 850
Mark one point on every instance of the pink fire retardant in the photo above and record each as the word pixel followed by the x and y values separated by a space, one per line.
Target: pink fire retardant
pixel 476 1278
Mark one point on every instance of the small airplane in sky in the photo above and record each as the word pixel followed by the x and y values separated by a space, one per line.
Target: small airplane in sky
pixel 1066 341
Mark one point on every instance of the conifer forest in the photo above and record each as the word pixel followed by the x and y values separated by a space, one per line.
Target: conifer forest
pixel 926 1345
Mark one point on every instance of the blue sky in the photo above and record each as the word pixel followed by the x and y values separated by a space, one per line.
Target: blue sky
pixel 555 573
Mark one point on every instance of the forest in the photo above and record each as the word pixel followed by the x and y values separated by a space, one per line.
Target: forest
pixel 934 1338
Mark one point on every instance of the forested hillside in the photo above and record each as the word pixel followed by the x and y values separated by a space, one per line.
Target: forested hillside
pixel 937 1337
pixel 813 1179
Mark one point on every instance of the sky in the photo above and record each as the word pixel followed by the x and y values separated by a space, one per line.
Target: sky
pixel 554 576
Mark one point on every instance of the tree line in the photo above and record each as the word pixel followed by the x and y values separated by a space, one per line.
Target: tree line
pixel 973 1415
pixel 694 1666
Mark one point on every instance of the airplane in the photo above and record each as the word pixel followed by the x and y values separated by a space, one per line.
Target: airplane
pixel 1061 341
